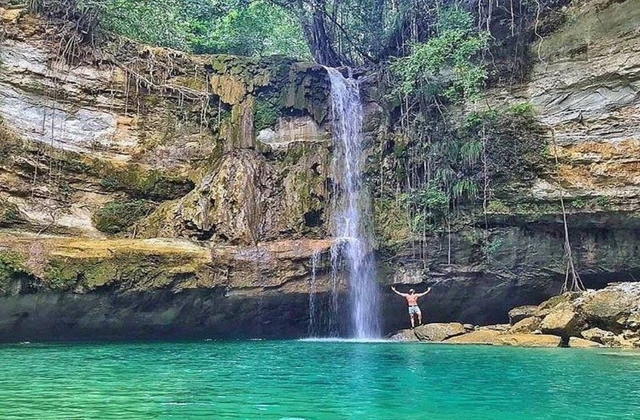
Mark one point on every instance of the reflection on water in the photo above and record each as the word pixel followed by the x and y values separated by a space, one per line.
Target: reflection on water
pixel 315 379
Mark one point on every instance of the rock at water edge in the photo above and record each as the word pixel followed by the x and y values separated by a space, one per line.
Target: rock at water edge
pixel 582 343
pixel 439 331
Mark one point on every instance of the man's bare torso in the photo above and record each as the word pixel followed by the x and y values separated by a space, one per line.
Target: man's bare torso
pixel 412 300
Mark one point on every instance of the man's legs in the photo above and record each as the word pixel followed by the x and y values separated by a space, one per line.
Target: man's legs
pixel 419 317
pixel 412 321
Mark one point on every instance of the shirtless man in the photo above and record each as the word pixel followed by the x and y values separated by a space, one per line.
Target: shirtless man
pixel 412 300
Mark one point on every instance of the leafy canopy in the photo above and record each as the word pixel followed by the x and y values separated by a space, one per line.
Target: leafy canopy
pixel 248 28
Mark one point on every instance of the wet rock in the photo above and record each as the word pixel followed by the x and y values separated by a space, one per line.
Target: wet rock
pixel 600 336
pixel 439 331
pixel 529 340
pixel 497 338
pixel 521 312
pixel 404 335
pixel 562 320
pixel 488 337
pixel 526 325
pixel 582 343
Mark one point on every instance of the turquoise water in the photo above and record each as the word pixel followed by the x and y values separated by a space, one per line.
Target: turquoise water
pixel 315 380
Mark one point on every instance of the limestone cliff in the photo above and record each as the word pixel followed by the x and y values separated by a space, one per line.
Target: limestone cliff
pixel 148 193
pixel 584 88
pixel 145 192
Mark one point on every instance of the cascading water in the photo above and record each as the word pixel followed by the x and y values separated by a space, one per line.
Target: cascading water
pixel 313 322
pixel 351 208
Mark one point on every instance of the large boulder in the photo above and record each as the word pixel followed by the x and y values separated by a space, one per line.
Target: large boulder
pixel 547 306
pixel 403 335
pixel 439 331
pixel 610 308
pixel 633 321
pixel 582 343
pixel 563 320
pixel 526 325
pixel 599 336
pixel 521 312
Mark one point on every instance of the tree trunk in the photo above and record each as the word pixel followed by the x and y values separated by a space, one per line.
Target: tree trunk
pixel 319 42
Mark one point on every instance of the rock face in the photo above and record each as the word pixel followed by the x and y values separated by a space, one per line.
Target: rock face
pixel 228 223
pixel 219 170
pixel 584 89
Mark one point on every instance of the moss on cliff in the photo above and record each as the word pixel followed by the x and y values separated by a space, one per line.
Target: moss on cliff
pixel 118 216
pixel 140 182
pixel 12 265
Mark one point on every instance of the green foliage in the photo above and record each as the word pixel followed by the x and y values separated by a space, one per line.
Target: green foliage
pixel 577 203
pixel 267 112
pixel 515 144
pixel 603 202
pixel 118 216
pixel 249 28
pixel 445 65
pixel 11 265
pixel 494 246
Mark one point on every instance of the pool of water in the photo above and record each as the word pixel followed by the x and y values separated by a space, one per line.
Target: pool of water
pixel 315 380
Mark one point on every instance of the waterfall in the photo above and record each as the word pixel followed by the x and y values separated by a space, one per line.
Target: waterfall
pixel 313 322
pixel 352 248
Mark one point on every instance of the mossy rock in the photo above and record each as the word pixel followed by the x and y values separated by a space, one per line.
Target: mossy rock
pixel 12 267
pixel 128 270
pixel 141 183
pixel 118 216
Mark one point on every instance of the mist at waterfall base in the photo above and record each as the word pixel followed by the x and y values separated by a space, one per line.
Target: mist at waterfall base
pixel 352 252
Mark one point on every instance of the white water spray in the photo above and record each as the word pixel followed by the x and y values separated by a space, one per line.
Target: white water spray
pixel 351 208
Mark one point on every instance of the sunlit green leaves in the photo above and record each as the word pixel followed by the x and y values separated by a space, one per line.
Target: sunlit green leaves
pixel 249 28
pixel 445 65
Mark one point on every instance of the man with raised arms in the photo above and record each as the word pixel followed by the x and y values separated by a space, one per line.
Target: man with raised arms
pixel 412 300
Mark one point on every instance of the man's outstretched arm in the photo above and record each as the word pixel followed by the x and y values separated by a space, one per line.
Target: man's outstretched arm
pixel 422 294
pixel 396 292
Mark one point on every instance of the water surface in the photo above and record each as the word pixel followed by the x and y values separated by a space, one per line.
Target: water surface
pixel 315 380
